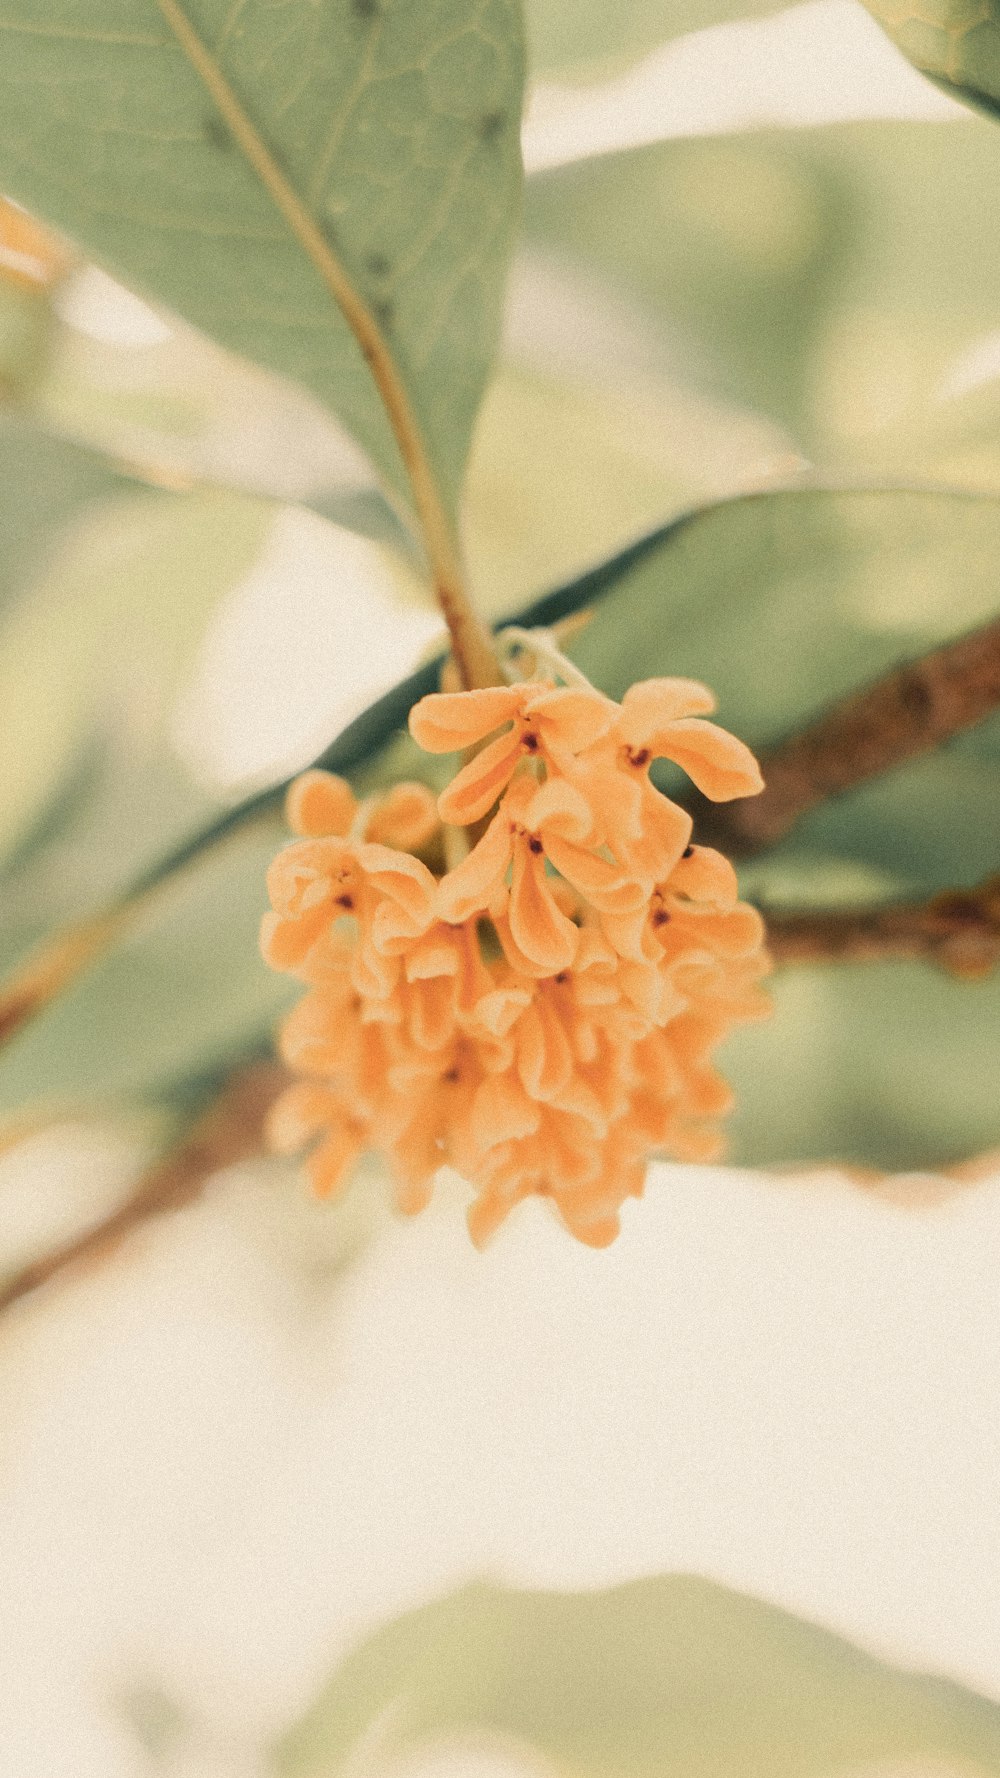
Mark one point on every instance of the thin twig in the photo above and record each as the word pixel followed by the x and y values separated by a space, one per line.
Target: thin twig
pixel 230 1131
pixel 910 711
pixel 959 931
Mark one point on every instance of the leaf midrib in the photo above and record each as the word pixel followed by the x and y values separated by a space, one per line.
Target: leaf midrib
pixel 296 213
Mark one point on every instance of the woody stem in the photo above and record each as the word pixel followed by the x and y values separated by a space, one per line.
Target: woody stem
pixel 909 711
pixel 958 930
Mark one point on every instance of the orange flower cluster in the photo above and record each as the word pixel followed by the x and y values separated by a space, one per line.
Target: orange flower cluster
pixel 541 1016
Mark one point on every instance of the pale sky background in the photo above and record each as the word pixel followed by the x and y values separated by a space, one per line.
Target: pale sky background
pixel 217 1472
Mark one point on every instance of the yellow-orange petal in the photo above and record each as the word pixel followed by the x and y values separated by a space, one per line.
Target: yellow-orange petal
pixel 473 791
pixel 727 932
pixel 310 872
pixel 486 1213
pixel 654 704
pixel 666 831
pixel 544 1056
pixel 431 1006
pixel 539 928
pixel 435 954
pixel 403 878
pixel 298 1115
pixel 315 1037
pixel 601 883
pixel 720 765
pixel 592 1231
pixel 448 721
pixel 406 818
pixel 501 1112
pixel 329 1166
pixel 571 717
pixel 703 874
pixel 558 807
pixel 473 884
pixel 285 943
pixel 320 804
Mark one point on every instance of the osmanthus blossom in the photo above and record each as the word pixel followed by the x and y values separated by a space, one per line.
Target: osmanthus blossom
pixel 542 1015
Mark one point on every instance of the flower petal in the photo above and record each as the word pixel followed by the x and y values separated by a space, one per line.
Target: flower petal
pixel 704 875
pixel 598 880
pixel 403 878
pixel 473 884
pixel 571 717
pixel 474 790
pixel 560 808
pixel 653 704
pixel 502 1111
pixel 330 1164
pixel 721 766
pixel 320 803
pixel 538 926
pixel 406 818
pixel 447 721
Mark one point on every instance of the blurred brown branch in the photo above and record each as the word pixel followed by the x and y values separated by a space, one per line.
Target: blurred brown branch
pixel 231 1130
pixel 910 711
pixel 958 930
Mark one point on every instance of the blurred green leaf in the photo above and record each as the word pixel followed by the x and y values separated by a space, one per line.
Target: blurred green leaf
pixel 25 326
pixel 737 245
pixel 890 1065
pixel 113 617
pixel 191 413
pixel 588 39
pixel 566 470
pixel 45 484
pixel 183 994
pixel 395 127
pixel 833 276
pixel 673 1677
pixel 955 42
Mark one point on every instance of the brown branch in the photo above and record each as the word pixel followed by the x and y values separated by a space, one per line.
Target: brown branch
pixel 230 1130
pixel 910 711
pixel 959 931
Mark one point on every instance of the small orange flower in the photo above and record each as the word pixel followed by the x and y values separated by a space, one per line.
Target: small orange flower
pixel 542 1017
pixel 547 722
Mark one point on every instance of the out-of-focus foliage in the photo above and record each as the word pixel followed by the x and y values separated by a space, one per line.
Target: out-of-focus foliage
pixel 956 42
pixel 832 276
pixel 396 131
pixel 112 619
pixel 45 484
pixel 589 39
pixel 889 1065
pixel 667 1678
pixel 180 997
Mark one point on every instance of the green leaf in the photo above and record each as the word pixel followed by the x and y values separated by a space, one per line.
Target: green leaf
pixel 955 42
pixel 387 132
pixel 831 276
pixel 102 635
pixel 890 1065
pixel 183 994
pixel 45 483
pixel 673 1677
pixel 587 39
pixel 192 413
pixel 565 470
